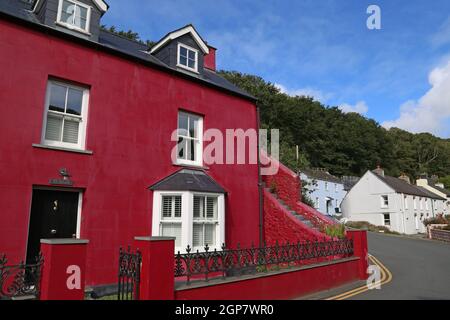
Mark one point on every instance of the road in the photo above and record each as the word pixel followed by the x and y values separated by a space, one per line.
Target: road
pixel 420 268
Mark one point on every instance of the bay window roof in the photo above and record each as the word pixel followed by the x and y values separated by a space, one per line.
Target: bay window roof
pixel 188 180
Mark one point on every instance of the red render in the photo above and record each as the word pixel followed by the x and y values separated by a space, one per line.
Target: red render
pixel 210 59
pixel 132 112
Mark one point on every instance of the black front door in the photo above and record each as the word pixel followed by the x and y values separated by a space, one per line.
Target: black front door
pixel 53 216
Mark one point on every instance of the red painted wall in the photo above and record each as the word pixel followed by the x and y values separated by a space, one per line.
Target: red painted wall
pixel 281 225
pixel 278 287
pixel 132 113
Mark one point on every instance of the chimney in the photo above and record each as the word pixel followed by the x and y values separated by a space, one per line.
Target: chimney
pixel 379 171
pixel 405 178
pixel 210 59
pixel 440 185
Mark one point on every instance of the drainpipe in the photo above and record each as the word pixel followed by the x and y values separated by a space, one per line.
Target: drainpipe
pixel 260 183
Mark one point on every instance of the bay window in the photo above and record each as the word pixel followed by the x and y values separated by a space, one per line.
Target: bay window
pixel 195 220
pixel 65 115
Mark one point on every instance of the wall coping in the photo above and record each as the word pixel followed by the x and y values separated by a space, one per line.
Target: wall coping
pixel 64 241
pixel 215 282
pixel 150 239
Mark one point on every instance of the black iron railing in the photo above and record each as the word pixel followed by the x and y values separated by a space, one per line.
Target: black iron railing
pixel 225 263
pixel 129 274
pixel 20 281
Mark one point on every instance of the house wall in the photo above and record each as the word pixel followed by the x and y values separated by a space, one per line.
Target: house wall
pixel 132 113
pixel 363 203
pixel 335 191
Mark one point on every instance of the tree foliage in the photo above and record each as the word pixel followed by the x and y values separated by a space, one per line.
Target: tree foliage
pixel 128 34
pixel 344 143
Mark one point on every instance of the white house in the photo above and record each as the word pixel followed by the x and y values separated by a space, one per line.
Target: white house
pixel 325 190
pixel 392 202
pixel 432 185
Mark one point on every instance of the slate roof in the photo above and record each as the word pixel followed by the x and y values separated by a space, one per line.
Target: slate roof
pixel 349 182
pixel 132 49
pixel 320 175
pixel 188 180
pixel 445 191
pixel 401 186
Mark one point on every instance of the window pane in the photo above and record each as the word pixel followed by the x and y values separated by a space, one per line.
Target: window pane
pixel 191 150
pixel 70 134
pixel 210 234
pixel 183 61
pixel 211 208
pixel 166 207
pixel 197 207
pixel 74 101
pixel 191 55
pixel 177 206
pixel 183 122
pixel 183 52
pixel 197 235
pixel 172 230
pixel 54 128
pixel 182 148
pixel 68 12
pixel 80 17
pixel 193 127
pixel 191 64
pixel 57 98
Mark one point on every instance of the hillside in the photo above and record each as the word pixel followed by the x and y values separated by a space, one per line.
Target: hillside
pixel 344 143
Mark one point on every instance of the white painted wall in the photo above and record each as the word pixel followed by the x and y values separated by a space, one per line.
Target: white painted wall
pixel 364 203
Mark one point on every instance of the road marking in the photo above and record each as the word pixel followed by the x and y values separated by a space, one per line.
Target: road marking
pixel 386 277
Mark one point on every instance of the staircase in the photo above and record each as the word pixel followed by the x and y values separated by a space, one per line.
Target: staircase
pixel 284 210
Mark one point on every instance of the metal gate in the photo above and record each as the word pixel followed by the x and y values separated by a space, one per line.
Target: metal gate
pixel 22 281
pixel 129 274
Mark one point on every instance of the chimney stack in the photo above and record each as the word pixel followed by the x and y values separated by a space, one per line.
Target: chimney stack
pixel 210 59
pixel 379 171
pixel 405 178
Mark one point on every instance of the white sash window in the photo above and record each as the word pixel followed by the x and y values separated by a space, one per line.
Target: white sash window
pixel 74 15
pixel 65 116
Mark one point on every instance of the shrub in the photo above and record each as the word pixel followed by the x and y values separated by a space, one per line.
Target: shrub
pixel 436 220
pixel 335 231
pixel 364 225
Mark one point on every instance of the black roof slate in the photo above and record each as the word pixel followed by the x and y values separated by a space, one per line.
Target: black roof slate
pixel 130 48
pixel 321 175
pixel 188 180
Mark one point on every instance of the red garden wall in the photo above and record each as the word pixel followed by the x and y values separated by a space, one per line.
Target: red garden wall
pixel 285 285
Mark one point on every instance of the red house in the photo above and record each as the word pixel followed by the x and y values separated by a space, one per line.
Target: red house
pixel 86 138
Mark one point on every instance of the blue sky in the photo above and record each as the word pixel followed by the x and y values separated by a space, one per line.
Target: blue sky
pixel 399 75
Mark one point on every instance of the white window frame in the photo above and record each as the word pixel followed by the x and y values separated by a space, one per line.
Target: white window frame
pixel 207 221
pixel 199 146
pixel 384 199
pixel 81 145
pixel 421 203
pixel 317 203
pixel 182 45
pixel 427 206
pixel 415 203
pixel 326 186
pixel 406 202
pixel 187 217
pixel 71 26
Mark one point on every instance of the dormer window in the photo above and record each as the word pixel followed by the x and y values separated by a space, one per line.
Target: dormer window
pixel 187 57
pixel 74 15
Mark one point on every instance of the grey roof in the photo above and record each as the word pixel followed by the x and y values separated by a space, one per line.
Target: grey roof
pixel 349 182
pixel 320 174
pixel 188 180
pixel 445 191
pixel 132 49
pixel 402 186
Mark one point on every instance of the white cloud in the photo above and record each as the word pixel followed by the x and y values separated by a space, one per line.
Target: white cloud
pixel 432 111
pixel 308 92
pixel 360 107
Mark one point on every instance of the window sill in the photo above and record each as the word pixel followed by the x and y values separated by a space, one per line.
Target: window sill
pixel 190 166
pixel 42 146
pixel 72 28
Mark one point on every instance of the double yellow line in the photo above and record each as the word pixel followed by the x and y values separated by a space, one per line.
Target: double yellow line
pixel 386 277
